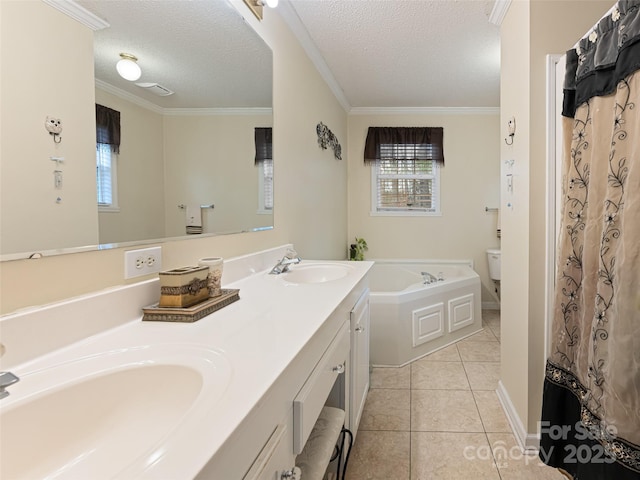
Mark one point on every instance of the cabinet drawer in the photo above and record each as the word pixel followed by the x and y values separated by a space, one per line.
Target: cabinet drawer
pixel 309 402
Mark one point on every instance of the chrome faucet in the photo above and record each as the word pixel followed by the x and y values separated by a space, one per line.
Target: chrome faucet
pixel 428 278
pixel 290 258
pixel 6 379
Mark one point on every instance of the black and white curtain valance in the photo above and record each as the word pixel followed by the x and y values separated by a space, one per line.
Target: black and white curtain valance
pixel 403 143
pixel 264 144
pixel 603 58
pixel 108 127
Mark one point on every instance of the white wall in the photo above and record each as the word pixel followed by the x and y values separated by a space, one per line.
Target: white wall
pixel 469 183
pixel 310 185
pixel 220 148
pixel 38 80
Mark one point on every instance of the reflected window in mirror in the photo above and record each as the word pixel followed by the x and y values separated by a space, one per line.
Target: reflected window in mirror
pixel 107 149
pixel 265 186
pixel 106 178
pixel 264 162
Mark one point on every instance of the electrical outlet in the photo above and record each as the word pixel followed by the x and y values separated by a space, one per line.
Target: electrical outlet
pixel 143 261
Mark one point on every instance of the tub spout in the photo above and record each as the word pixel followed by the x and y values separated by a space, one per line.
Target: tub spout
pixel 6 379
pixel 428 278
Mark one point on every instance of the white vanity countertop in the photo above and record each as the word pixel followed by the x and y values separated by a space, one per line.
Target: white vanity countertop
pixel 257 337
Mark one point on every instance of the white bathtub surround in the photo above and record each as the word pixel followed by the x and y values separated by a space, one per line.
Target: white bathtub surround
pixel 244 359
pixel 410 319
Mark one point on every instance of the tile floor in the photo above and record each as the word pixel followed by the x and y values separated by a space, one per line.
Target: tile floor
pixel 439 418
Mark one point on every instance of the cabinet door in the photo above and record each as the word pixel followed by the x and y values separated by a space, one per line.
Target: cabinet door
pixel 275 461
pixel 359 360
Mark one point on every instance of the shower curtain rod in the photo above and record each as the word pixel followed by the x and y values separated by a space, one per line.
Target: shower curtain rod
pixel 595 25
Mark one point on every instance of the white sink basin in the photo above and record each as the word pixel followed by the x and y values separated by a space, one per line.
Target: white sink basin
pixel 93 418
pixel 316 273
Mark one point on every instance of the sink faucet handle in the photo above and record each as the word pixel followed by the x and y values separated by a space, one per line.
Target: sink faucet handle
pixel 291 253
pixel 6 379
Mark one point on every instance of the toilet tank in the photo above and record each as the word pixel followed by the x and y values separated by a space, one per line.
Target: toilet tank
pixel 493 257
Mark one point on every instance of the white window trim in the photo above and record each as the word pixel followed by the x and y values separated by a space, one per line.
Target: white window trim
pixel 403 213
pixel 114 207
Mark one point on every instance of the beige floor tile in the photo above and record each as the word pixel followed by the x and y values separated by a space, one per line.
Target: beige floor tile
pixel 495 329
pixel 446 354
pixel 380 456
pixel 514 465
pixel 439 376
pixel 490 316
pixel 386 409
pixel 482 375
pixel 444 411
pixel 479 351
pixel 391 377
pixel 491 412
pixel 485 335
pixel 454 456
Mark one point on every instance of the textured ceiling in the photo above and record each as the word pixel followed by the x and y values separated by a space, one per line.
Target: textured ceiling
pixel 201 49
pixel 378 53
pixel 399 53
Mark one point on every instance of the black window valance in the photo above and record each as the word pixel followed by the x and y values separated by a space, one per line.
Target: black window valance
pixel 404 143
pixel 264 144
pixel 108 127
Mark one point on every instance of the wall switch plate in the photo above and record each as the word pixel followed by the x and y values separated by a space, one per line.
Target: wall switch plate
pixel 143 261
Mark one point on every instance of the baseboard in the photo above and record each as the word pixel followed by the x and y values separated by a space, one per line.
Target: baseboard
pixel 490 306
pixel 528 442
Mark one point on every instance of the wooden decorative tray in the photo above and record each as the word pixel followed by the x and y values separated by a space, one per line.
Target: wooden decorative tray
pixel 191 314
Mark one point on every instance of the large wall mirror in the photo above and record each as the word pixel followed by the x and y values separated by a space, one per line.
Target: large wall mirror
pixel 191 153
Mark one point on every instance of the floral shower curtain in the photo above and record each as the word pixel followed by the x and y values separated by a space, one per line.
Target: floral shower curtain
pixel 591 407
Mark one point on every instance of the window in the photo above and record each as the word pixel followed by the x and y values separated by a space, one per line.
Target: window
pixel 264 162
pixel 406 187
pixel 405 175
pixel 107 149
pixel 106 178
pixel 265 187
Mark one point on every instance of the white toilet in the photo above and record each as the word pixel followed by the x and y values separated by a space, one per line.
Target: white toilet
pixel 493 256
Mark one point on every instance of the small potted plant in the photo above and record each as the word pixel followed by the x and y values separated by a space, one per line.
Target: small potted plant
pixel 356 250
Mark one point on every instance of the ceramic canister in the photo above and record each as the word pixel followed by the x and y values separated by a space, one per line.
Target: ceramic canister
pixel 215 274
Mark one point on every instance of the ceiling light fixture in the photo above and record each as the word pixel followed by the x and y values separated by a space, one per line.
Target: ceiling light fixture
pixel 128 68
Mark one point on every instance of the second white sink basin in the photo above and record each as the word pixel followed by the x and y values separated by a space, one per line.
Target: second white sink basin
pixel 104 422
pixel 317 273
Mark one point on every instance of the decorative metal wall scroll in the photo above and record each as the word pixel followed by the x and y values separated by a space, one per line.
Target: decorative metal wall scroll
pixel 326 138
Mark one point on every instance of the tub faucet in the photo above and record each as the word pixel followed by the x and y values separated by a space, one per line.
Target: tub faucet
pixel 290 258
pixel 428 278
pixel 6 379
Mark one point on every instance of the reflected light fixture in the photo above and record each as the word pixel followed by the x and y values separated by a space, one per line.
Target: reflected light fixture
pixel 256 6
pixel 128 67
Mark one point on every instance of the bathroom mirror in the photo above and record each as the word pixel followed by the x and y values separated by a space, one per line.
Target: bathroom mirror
pixel 194 147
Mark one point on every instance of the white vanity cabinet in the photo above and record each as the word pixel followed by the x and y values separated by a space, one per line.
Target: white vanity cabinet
pixel 265 445
pixel 359 381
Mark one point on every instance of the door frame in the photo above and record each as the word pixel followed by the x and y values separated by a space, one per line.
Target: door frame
pixel 553 200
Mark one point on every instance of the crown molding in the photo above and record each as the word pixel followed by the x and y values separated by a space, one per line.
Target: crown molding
pixel 209 112
pixel 425 111
pixel 291 18
pixel 130 97
pixel 192 112
pixel 500 8
pixel 79 13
